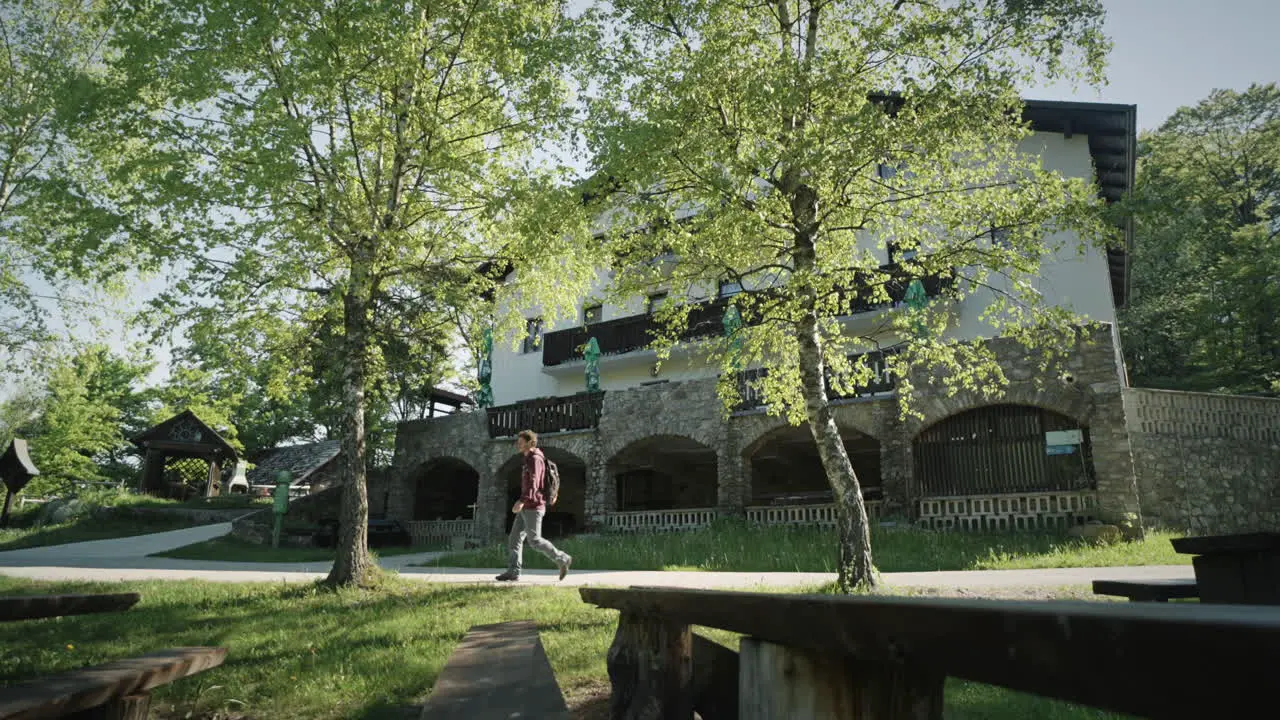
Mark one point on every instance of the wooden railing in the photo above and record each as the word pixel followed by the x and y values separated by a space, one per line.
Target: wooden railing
pixel 751 396
pixel 636 332
pixel 819 656
pixel 429 531
pixel 574 412
pixel 628 334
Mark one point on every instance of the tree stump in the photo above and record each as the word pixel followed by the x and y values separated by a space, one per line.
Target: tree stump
pixel 650 668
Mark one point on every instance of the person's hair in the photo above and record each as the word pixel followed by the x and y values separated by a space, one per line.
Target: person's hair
pixel 529 437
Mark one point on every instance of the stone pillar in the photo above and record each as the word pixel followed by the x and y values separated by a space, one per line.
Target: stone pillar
pixel 729 496
pixel 1118 500
pixel 895 474
pixel 601 492
pixel 401 495
pixel 491 507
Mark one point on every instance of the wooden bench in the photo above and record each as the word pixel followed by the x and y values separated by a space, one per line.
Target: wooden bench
pixel 820 656
pixel 120 690
pixel 1147 590
pixel 497 671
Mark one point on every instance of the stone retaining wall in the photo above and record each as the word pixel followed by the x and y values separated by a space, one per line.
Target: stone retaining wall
pixel 1206 464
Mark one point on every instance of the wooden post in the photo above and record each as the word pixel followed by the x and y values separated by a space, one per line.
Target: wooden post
pixel 215 476
pixel 650 668
pixel 4 514
pixel 129 707
pixel 776 681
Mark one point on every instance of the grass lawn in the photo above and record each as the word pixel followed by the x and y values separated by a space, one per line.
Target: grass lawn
pixel 299 652
pixel 87 528
pixel 230 549
pixel 735 547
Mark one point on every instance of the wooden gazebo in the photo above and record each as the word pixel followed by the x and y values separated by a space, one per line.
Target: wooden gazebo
pixel 183 454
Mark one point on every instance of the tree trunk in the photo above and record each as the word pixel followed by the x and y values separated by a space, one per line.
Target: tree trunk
pixel 352 564
pixel 855 568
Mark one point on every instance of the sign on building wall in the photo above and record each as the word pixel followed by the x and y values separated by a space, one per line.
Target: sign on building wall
pixel 1063 437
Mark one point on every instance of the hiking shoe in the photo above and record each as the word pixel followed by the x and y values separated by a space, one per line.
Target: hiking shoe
pixel 507 576
pixel 564 566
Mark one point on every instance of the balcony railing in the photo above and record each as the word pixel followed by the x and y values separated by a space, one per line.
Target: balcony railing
pixel 543 415
pixel 628 334
pixel 751 396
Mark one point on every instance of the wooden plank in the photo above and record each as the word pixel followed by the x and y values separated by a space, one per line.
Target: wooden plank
pixel 778 681
pixel 1228 544
pixel 715 679
pixel 65 693
pixel 650 668
pixel 497 671
pixel 1113 656
pixel 1147 590
pixel 34 607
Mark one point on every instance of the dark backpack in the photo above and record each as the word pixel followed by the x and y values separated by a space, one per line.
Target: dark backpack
pixel 553 480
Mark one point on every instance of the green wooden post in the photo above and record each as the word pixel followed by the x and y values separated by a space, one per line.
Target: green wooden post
pixel 283 481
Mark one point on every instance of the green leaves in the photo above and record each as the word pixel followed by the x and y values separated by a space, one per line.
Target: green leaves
pixel 844 127
pixel 1205 269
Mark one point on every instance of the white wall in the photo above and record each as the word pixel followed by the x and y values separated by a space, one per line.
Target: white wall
pixel 1080 282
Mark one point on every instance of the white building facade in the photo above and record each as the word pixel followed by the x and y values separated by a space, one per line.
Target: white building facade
pixel 653 448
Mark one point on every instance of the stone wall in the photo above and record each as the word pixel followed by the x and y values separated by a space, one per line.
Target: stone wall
pixel 1206 464
pixel 1087 389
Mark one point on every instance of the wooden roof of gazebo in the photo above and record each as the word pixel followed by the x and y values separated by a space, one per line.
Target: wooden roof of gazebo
pixel 185 435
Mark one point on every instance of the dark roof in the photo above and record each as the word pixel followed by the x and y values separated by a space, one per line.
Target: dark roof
pixel 449 397
pixel 300 460
pixel 184 433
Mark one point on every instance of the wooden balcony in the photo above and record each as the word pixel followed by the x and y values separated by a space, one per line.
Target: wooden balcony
pixel 752 397
pixel 544 415
pixel 628 334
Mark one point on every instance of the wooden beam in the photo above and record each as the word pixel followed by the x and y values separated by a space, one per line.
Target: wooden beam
pixel 497 670
pixel 650 669
pixel 34 607
pixel 715 679
pixel 115 684
pixel 1112 656
pixel 778 681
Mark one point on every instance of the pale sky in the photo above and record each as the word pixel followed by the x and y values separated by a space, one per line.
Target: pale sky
pixel 1167 53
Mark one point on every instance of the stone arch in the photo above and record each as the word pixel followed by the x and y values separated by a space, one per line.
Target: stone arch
pixel 665 472
pixel 568 515
pixel 783 467
pixel 1071 401
pixel 1003 448
pixel 445 488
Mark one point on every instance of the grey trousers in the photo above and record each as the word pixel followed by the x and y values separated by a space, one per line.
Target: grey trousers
pixel 528 528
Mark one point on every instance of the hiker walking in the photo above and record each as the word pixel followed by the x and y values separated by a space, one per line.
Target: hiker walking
pixel 529 509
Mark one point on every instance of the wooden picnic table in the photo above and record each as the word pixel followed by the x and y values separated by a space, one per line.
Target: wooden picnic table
pixel 1242 569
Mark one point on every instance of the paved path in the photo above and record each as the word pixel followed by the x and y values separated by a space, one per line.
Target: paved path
pixel 126 559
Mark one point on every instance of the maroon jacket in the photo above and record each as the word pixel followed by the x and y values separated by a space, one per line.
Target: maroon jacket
pixel 532 478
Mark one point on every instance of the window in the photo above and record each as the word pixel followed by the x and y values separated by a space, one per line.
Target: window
pixel 898 254
pixel 730 287
pixel 592 314
pixel 532 335
pixel 885 171
pixel 999 237
pixel 655 301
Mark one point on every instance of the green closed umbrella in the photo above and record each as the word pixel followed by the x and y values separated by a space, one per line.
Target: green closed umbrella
pixel 592 354
pixel 484 397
